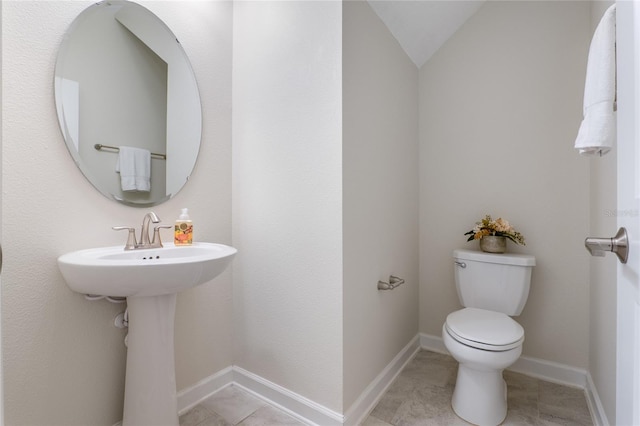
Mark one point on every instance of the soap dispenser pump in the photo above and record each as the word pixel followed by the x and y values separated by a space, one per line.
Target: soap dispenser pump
pixel 183 235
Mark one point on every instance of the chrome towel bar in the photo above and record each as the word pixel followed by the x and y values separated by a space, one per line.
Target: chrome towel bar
pixel 100 147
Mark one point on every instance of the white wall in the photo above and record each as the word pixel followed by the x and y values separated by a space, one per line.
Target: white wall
pixel 63 360
pixel 287 195
pixel 380 196
pixel 602 307
pixel 500 104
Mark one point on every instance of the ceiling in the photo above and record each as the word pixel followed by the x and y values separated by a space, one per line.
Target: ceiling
pixel 422 26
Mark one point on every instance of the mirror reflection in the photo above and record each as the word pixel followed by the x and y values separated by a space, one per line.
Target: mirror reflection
pixel 128 103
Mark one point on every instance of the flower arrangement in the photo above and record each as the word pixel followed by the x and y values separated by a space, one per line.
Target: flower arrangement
pixel 498 227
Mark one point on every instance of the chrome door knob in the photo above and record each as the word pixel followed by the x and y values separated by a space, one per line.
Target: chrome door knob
pixel 619 245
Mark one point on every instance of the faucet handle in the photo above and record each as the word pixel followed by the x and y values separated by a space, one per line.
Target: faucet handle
pixel 156 242
pixel 131 239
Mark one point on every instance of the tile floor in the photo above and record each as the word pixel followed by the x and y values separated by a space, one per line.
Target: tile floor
pixel 420 396
pixel 232 406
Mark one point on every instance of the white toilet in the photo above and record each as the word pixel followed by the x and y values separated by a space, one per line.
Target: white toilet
pixel 482 337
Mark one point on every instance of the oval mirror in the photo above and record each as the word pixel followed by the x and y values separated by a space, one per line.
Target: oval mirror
pixel 128 103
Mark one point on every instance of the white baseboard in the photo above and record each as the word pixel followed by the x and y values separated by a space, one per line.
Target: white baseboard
pixel 433 343
pixel 295 405
pixel 595 404
pixel 545 370
pixel 367 401
pixel 303 409
pixel 193 395
pixel 551 372
pixel 534 367
pixel 312 413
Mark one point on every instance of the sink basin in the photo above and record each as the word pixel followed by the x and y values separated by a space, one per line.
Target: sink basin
pixel 112 271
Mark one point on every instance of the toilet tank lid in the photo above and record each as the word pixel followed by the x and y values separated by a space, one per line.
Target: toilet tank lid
pixel 502 258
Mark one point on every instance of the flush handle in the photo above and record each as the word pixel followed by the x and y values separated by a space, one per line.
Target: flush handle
pixel 460 264
pixel 619 245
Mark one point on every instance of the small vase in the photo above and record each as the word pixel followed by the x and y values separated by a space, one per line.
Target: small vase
pixel 493 244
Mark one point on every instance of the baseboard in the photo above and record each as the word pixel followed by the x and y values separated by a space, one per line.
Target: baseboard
pixel 193 395
pixel 545 370
pixel 367 401
pixel 595 404
pixel 297 406
pixel 568 376
pixel 433 343
pixel 534 367
pixel 293 404
pixel 551 372
pixel 312 413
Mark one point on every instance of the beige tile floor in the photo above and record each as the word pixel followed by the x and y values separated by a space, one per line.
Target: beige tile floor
pixel 420 396
pixel 233 406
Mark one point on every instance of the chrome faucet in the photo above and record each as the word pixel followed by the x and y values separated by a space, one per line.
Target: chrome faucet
pixel 145 242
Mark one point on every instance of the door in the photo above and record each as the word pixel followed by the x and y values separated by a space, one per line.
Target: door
pixel 628 159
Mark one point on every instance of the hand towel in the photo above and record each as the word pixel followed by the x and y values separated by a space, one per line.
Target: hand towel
pixel 597 132
pixel 134 166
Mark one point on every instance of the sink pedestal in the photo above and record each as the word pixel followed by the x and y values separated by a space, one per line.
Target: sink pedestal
pixel 150 279
pixel 150 383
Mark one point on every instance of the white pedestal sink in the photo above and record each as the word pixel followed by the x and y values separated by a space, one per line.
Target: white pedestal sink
pixel 150 280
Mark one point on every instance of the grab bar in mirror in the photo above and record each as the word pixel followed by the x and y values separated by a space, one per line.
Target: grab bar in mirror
pixel 100 147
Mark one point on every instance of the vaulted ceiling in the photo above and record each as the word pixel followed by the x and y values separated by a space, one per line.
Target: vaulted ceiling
pixel 422 26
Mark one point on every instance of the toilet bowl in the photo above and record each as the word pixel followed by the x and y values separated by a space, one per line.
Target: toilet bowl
pixel 480 395
pixel 482 336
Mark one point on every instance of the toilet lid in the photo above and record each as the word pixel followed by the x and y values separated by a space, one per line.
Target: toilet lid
pixel 484 329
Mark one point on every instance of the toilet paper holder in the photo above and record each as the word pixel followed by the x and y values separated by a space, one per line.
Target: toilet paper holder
pixel 393 283
pixel 619 244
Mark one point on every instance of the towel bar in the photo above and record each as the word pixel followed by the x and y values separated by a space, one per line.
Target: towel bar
pixel 100 146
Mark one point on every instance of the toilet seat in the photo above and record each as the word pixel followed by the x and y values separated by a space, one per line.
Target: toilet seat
pixel 483 329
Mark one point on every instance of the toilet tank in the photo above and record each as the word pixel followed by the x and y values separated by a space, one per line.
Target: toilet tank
pixel 496 282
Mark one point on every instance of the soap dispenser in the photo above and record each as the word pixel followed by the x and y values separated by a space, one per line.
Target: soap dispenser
pixel 183 235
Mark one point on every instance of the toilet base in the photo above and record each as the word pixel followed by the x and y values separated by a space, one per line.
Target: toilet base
pixel 480 396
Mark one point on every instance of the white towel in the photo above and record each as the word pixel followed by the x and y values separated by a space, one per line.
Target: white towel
pixel 134 166
pixel 597 132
